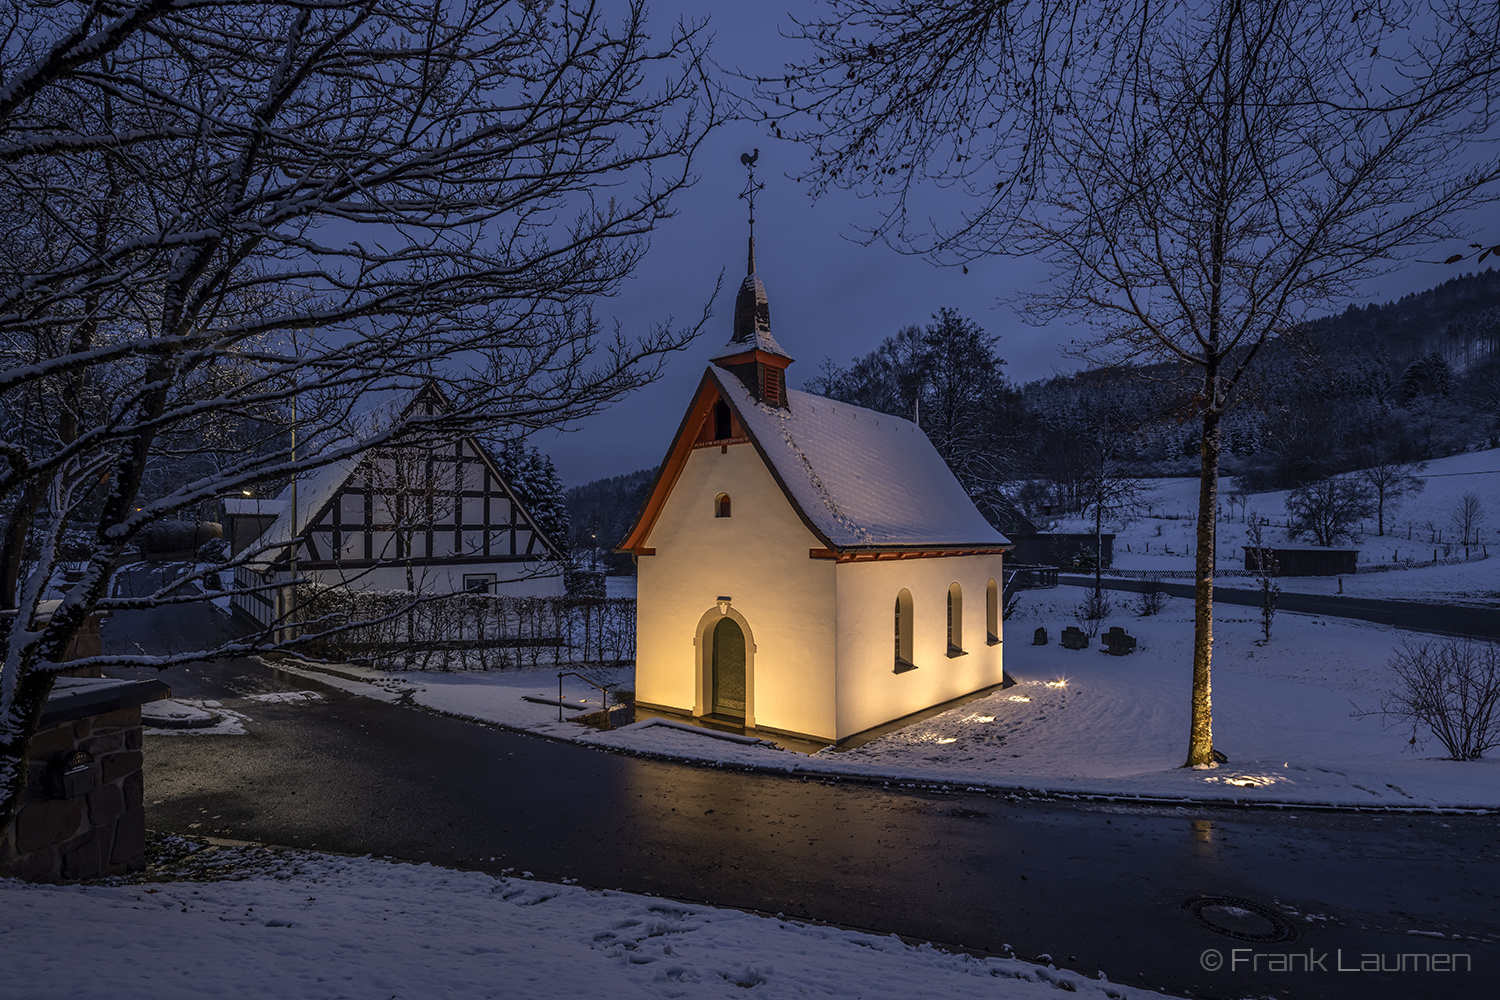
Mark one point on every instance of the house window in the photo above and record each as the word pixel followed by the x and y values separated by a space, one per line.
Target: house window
pixel 903 632
pixel 479 583
pixel 773 385
pixel 992 612
pixel 723 427
pixel 955 620
pixel 721 505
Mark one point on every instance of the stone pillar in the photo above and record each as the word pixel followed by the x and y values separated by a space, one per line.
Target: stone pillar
pixel 92 825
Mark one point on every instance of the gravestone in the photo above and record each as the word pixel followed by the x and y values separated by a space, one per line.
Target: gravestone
pixel 1073 637
pixel 1117 642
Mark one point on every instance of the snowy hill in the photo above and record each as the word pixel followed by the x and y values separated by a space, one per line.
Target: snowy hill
pixel 1419 530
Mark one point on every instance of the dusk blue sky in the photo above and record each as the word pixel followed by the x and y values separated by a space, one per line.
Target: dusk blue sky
pixel 830 296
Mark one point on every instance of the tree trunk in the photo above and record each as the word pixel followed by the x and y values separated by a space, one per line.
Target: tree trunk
pixel 1201 727
pixel 1098 552
pixel 16 730
pixel 13 545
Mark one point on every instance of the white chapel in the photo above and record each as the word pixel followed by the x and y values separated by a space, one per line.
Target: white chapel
pixel 806 566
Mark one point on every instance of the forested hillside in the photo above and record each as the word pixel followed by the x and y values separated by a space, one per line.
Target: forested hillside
pixel 602 511
pixel 1409 380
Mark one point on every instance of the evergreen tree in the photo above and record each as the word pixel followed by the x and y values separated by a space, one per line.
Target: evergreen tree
pixel 534 480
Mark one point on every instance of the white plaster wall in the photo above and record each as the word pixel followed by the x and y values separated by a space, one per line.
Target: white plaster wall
pixel 870 691
pixel 759 558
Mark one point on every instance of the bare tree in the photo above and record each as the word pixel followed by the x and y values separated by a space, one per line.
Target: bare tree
pixel 1452 689
pixel 1238 498
pixel 1201 175
pixel 1106 493
pixel 1202 212
pixel 1329 509
pixel 335 201
pixel 1468 518
pixel 1266 569
pixel 1390 480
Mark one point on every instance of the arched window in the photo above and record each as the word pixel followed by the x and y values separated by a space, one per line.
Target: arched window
pixel 903 631
pixel 723 427
pixel 721 505
pixel 955 620
pixel 992 612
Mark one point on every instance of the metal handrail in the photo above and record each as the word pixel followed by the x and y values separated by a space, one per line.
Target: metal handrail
pixel 603 693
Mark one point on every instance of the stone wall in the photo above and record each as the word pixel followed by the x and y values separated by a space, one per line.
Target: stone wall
pixel 100 829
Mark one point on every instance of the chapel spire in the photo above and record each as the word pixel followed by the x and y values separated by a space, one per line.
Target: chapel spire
pixel 752 354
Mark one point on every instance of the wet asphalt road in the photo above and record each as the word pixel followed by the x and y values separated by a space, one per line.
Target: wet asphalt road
pixel 1443 619
pixel 1094 887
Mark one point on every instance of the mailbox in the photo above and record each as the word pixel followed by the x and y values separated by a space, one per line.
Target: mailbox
pixel 72 775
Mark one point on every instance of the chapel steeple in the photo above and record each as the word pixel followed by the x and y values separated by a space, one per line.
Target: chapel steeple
pixel 752 354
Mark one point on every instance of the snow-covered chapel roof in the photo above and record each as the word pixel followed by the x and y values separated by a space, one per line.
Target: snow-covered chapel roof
pixel 862 478
pixel 859 479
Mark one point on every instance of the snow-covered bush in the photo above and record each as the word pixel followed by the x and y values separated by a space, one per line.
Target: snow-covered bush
pixel 1092 611
pixel 1153 598
pixel 1450 687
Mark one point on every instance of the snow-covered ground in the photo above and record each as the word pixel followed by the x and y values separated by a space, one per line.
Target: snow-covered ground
pixel 1081 722
pixel 243 922
pixel 1418 527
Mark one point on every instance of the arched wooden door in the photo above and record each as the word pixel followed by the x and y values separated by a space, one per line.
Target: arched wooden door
pixel 728 669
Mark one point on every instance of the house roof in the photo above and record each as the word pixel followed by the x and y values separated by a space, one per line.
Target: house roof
pixel 859 479
pixel 251 506
pixel 318 488
pixel 315 491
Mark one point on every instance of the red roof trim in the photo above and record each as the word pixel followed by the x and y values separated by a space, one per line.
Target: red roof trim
pixel 765 358
pixel 706 395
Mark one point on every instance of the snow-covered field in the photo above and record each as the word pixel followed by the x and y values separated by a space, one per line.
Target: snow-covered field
pixel 1082 722
pixel 253 923
pixel 1418 527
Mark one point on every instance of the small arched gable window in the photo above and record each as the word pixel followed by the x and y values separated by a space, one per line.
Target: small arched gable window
pixel 723 426
pixel 721 505
pixel 903 632
pixel 955 620
pixel 992 612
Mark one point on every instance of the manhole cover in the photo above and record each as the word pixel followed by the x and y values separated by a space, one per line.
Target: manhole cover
pixel 1241 919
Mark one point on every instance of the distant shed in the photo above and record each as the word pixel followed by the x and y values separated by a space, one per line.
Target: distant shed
pixel 1316 561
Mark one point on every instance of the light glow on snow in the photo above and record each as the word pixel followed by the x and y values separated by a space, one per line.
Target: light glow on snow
pixel 1247 780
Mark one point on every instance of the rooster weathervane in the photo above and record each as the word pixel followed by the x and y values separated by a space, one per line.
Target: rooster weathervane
pixel 751 188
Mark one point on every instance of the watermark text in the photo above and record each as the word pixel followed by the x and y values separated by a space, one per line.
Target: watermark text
pixel 1338 960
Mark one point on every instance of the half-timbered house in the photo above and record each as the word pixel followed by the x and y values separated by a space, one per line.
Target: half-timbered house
pixel 432 519
pixel 807 566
